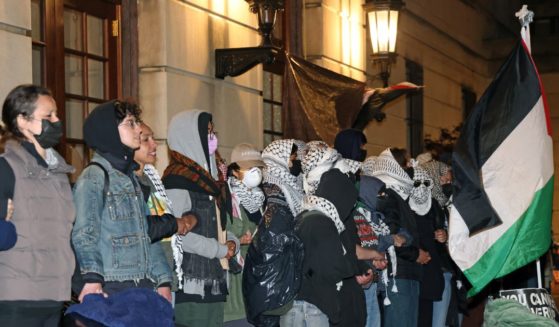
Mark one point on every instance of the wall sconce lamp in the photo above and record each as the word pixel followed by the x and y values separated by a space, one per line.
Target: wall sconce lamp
pixel 237 61
pixel 382 17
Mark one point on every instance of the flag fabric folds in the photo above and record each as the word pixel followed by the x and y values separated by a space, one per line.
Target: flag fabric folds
pixel 503 176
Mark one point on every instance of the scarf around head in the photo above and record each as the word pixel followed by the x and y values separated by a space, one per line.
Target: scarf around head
pixel 436 170
pixel 312 202
pixel 319 159
pixel 276 157
pixel 199 180
pixel 420 197
pixel 387 169
pixel 251 199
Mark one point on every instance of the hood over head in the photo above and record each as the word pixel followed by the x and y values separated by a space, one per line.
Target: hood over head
pixel 340 190
pixel 100 132
pixel 369 188
pixel 188 135
pixel 348 143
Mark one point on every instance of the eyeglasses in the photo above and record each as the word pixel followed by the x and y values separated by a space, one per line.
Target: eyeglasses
pixel 427 183
pixel 132 123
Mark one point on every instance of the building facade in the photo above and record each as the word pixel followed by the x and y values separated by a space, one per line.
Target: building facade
pixel 161 52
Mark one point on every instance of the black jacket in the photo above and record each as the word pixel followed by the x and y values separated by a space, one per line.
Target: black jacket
pixel 398 214
pixel 324 265
pixel 432 281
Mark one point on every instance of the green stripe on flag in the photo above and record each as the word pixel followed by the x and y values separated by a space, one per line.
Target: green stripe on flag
pixel 525 241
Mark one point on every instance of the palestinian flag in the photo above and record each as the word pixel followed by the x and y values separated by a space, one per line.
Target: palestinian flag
pixel 503 176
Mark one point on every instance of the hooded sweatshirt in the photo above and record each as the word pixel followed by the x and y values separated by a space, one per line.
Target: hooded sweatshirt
pixel 373 232
pixel 348 143
pixel 200 274
pixel 100 132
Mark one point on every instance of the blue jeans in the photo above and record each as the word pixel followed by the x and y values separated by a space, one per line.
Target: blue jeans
pixel 373 311
pixel 304 314
pixel 402 312
pixel 440 308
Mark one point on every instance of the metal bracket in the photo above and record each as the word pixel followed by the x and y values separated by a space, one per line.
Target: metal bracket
pixel 237 61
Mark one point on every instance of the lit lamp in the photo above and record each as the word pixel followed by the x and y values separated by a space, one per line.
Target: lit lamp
pixel 237 61
pixel 382 16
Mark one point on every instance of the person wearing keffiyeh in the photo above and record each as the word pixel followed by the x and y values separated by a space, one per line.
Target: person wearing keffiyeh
pixel 272 271
pixel 244 176
pixel 162 222
pixel 404 267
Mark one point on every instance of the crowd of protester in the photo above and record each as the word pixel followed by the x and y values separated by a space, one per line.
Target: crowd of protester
pixel 298 234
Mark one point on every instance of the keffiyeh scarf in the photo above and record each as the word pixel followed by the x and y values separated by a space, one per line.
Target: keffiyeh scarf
pixel 436 169
pixel 387 169
pixel 276 157
pixel 420 197
pixel 312 202
pixel 160 193
pixel 251 199
pixel 320 158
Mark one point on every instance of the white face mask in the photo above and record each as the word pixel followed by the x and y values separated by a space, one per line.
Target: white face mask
pixel 253 177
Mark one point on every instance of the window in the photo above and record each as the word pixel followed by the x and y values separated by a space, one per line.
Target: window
pixel 468 101
pixel 272 93
pixel 414 74
pixel 38 42
pixel 77 53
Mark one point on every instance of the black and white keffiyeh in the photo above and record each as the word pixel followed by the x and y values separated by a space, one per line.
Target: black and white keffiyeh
pixel 251 199
pixel 312 202
pixel 176 241
pixel 436 170
pixel 368 167
pixel 319 158
pixel 420 197
pixel 387 169
pixel 276 157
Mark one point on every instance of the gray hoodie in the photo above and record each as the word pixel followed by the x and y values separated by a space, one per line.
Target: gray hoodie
pixel 184 138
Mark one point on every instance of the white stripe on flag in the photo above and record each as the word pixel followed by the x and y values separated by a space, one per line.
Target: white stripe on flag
pixel 517 169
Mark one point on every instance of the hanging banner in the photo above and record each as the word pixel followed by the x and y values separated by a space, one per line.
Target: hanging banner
pixel 538 300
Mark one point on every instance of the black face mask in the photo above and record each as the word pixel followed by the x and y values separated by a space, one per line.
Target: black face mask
pixel 381 203
pixel 362 155
pixel 296 168
pixel 50 133
pixel 447 189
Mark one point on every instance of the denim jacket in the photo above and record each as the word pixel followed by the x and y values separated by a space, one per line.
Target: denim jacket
pixel 112 239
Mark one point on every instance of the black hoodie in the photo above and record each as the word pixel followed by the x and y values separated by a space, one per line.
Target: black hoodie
pixel 100 132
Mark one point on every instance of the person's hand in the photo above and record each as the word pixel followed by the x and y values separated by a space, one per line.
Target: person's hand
pixel 191 220
pixel 182 226
pixel 399 240
pixel 423 257
pixel 441 235
pixel 246 238
pixel 231 249
pixel 10 212
pixel 365 278
pixel 380 264
pixel 166 293
pixel 91 288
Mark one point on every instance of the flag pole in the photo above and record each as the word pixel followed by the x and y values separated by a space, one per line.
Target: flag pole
pixel 539 272
pixel 525 17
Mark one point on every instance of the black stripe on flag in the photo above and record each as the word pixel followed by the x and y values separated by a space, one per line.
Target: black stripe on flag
pixel 508 99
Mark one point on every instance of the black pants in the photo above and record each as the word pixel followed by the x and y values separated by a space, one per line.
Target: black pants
pixel 30 313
